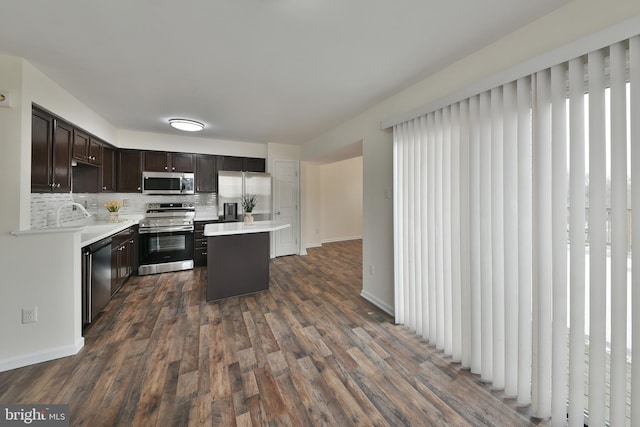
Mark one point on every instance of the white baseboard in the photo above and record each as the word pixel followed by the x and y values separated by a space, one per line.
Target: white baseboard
pixel 378 302
pixel 342 239
pixel 303 251
pixel 41 356
pixel 337 239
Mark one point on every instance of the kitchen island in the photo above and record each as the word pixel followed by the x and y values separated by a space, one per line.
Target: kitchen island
pixel 238 257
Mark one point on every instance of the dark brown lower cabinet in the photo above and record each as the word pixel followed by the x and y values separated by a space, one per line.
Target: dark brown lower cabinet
pixel 200 243
pixel 123 246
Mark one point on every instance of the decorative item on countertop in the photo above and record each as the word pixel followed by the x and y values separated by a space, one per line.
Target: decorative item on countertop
pixel 249 202
pixel 113 207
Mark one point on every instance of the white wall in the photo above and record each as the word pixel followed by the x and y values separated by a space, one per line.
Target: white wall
pixel 42 271
pixel 311 206
pixel 281 152
pixel 341 200
pixel 566 24
pixel 331 201
pixel 188 144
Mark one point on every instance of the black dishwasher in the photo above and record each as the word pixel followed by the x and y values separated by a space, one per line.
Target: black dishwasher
pixel 97 279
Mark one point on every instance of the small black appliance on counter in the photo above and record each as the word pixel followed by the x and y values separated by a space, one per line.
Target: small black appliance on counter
pixel 230 212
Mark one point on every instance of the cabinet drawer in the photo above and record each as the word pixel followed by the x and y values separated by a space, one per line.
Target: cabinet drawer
pixel 121 237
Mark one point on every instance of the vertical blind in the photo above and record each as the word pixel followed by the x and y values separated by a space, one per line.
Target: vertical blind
pixel 513 239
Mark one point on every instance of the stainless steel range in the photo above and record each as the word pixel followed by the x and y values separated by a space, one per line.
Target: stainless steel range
pixel 166 238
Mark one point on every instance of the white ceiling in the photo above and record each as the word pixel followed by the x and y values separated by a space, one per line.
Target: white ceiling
pixel 251 70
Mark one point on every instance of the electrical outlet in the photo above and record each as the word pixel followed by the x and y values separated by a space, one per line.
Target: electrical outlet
pixel 125 203
pixel 30 315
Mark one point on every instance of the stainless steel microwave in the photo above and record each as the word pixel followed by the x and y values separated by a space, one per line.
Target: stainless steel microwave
pixel 167 182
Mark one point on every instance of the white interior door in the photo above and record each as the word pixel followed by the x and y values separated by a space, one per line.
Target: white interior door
pixel 286 186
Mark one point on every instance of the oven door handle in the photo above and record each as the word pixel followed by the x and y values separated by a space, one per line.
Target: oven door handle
pixel 149 230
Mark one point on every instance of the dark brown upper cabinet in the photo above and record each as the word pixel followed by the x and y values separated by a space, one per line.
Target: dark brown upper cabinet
pixel 206 173
pixel 129 175
pixel 162 161
pixel 254 164
pixel 108 169
pixel 241 164
pixel 51 146
pixel 86 148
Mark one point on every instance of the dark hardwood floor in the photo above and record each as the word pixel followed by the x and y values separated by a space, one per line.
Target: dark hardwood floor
pixel 310 351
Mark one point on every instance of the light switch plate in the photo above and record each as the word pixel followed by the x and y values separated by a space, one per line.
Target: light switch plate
pixel 5 98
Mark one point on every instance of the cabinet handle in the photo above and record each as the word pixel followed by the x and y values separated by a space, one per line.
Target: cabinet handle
pixel 204 253
pixel 57 185
pixel 165 168
pixel 173 168
pixel 104 188
pixel 204 243
pixel 138 188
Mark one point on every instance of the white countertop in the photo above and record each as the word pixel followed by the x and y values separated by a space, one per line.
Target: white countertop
pixel 90 230
pixel 229 228
pixel 206 215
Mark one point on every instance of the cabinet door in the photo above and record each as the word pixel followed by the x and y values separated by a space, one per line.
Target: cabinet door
pixel 156 161
pixel 119 258
pixel 108 169
pixel 133 252
pixel 61 156
pixel 80 146
pixel 115 269
pixel 123 263
pixel 254 164
pixel 206 174
pixel 129 171
pixel 41 140
pixel 231 163
pixel 181 162
pixel 95 151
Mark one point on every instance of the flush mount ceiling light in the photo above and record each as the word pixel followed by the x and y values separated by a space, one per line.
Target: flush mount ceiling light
pixel 186 125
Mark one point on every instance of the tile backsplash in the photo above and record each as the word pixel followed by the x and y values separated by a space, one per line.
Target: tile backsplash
pixel 45 205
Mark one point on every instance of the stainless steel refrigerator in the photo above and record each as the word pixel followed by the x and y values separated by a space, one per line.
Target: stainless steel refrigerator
pixel 233 185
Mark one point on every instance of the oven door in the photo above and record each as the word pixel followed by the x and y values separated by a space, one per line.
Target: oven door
pixel 162 250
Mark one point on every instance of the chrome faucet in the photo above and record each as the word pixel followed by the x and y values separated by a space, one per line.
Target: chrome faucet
pixel 84 211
